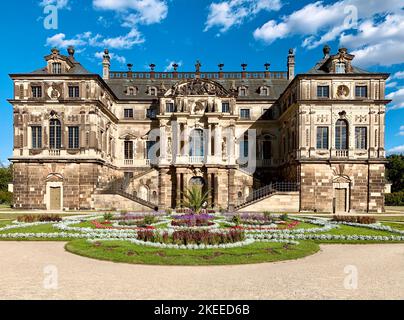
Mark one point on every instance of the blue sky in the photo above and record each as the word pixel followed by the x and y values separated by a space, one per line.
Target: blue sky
pixel 214 31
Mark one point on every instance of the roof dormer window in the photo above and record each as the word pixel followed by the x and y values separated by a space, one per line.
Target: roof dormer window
pixel 153 91
pixel 56 68
pixel 264 91
pixel 242 92
pixel 340 67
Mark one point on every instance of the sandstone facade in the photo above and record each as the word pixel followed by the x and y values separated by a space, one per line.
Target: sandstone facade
pixel 138 140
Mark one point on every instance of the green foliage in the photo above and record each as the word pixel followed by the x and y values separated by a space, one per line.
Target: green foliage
pixel 149 219
pixel 169 212
pixel 284 217
pixel 355 219
pixel 395 172
pixel 6 197
pixel 394 199
pixel 28 218
pixel 6 177
pixel 194 198
pixel 108 216
pixel 236 219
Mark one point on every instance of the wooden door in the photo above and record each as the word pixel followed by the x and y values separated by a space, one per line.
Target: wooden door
pixel 55 197
pixel 340 200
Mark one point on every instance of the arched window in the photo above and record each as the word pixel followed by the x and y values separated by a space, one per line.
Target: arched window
pixel 55 134
pixel 153 91
pixel 196 143
pixel 341 135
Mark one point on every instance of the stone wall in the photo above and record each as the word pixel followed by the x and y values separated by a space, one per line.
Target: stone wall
pixel 107 202
pixel 364 184
pixel 282 202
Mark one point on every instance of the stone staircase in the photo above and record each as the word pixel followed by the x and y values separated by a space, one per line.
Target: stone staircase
pixel 122 193
pixel 268 191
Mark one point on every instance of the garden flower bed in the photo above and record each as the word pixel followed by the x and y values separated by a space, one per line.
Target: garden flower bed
pixel 205 231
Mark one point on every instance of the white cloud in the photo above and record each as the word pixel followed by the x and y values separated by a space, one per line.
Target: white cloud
pixel 121 42
pixel 401 132
pixel 60 4
pixel 118 58
pixel 398 99
pixel 398 75
pixel 87 39
pixel 321 22
pixel 59 40
pixel 169 66
pixel 391 84
pixel 146 11
pixel 398 149
pixel 227 14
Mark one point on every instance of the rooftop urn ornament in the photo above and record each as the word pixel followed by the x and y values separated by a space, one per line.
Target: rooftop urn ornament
pixel 244 66
pixel 175 66
pixel 152 66
pixel 220 65
pixel 71 51
pixel 130 66
pixel 326 51
pixel 198 66
pixel 267 65
pixel 55 51
pixel 106 54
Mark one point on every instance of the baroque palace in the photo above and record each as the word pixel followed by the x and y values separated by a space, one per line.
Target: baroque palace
pixel 255 141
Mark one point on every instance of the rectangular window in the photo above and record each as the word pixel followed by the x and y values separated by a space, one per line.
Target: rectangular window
pixel 128 113
pixel 244 148
pixel 267 114
pixel 128 150
pixel 57 68
pixel 361 137
pixel 36 91
pixel 151 114
pixel 74 92
pixel 226 107
pixel 340 67
pixel 74 138
pixel 149 146
pixel 245 113
pixel 322 138
pixel 36 137
pixel 170 107
pixel 361 91
pixel 323 91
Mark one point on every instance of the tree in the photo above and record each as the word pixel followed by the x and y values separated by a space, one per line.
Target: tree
pixel 194 199
pixel 6 177
pixel 395 172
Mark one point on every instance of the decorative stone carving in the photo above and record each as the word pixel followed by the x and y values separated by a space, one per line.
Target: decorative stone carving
pixel 199 87
pixel 342 91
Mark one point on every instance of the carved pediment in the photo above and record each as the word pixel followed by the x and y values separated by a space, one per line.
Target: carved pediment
pixel 198 87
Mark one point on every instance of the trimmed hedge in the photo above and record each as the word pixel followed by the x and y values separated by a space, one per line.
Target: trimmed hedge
pixel 394 199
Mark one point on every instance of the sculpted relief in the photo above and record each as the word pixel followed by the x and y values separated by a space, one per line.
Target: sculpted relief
pixel 199 87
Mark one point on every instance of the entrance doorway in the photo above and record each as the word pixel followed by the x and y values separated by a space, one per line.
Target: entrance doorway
pixel 340 200
pixel 55 198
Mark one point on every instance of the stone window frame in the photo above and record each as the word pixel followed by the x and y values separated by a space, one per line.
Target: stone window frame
pixel 152 91
pixel 323 86
pixel 73 137
pixel 38 136
pixel 322 136
pixel 263 89
pixel 59 69
pixel 361 85
pixel 32 85
pixel 57 135
pixel 128 113
pixel 248 110
pixel 243 89
pixel 132 91
pixel 361 141
pixel 347 134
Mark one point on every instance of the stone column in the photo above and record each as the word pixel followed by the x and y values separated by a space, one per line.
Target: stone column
pixel 163 143
pixel 218 143
pixel 232 189
pixel 178 202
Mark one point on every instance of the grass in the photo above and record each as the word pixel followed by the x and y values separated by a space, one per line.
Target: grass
pixel 363 231
pixel 124 251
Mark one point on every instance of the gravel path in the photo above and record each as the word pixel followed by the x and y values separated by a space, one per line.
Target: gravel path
pixel 380 270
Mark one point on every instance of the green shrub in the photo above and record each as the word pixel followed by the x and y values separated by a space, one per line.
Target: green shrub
pixel 149 219
pixel 169 212
pixel 284 217
pixel 394 199
pixel 354 219
pixel 28 218
pixel 108 216
pixel 236 219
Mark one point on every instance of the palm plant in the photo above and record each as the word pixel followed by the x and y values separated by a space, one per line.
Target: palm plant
pixel 194 199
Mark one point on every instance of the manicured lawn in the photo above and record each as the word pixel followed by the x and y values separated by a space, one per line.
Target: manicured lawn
pixel 123 251
pixel 348 230
pixel 399 226
pixel 4 223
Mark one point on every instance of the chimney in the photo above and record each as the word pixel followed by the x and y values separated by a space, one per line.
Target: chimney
pixel 291 65
pixel 106 64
